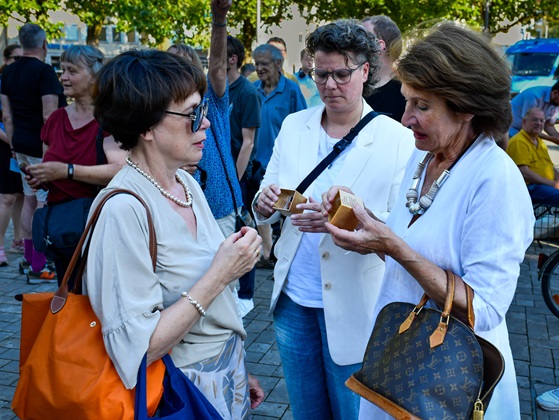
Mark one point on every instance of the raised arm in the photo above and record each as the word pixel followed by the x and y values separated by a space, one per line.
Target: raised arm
pixel 217 71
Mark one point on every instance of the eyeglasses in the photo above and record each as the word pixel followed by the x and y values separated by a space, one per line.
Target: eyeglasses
pixel 340 76
pixel 197 115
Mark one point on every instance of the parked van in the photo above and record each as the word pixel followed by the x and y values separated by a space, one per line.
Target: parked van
pixel 534 62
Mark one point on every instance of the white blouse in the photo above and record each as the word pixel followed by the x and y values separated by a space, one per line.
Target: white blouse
pixel 479 226
pixel 127 295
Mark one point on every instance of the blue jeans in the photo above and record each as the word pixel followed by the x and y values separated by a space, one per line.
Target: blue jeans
pixel 315 384
pixel 544 194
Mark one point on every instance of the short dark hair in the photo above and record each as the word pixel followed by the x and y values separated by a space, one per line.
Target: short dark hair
pixel 349 38
pixel 236 47
pixel 31 36
pixel 133 90
pixel 555 86
pixel 304 52
pixel 9 50
pixel 388 31
pixel 278 40
pixel 461 67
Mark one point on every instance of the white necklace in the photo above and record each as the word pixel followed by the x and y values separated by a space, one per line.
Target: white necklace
pixel 165 194
pixel 426 200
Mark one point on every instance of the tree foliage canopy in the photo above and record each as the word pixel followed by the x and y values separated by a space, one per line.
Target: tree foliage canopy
pixel 190 20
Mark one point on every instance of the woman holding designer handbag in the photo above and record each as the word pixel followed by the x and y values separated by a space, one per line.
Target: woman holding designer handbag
pixel 463 206
pixel 79 156
pixel 323 297
pixel 152 102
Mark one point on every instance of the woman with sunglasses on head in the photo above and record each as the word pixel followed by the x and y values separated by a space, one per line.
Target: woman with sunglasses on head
pixel 323 296
pixel 152 103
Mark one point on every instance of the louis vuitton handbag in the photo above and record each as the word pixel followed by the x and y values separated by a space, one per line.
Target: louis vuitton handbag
pixel 422 363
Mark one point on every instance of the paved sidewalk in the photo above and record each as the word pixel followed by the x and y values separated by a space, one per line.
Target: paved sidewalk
pixel 534 336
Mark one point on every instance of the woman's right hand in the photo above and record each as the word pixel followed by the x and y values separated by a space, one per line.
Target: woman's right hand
pixel 267 199
pixel 237 255
pixel 374 236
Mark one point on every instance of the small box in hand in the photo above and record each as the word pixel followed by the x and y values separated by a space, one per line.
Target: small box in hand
pixel 342 215
pixel 287 202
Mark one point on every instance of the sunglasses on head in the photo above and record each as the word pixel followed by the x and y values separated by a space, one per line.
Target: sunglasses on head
pixel 197 115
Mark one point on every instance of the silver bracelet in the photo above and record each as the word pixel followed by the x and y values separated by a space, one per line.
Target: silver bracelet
pixel 195 303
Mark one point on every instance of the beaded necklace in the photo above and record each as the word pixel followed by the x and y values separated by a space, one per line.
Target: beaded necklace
pixel 165 194
pixel 418 208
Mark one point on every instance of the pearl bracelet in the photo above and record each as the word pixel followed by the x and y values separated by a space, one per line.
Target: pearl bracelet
pixel 195 303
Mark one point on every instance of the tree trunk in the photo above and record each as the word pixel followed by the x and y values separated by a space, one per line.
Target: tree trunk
pixel 93 33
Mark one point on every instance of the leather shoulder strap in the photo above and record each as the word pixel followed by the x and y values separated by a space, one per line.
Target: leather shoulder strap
pixel 61 294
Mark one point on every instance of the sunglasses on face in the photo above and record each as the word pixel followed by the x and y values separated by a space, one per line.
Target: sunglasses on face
pixel 340 76
pixel 197 115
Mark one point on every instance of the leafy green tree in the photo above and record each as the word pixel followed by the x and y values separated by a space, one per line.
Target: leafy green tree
pixel 409 13
pixel 35 11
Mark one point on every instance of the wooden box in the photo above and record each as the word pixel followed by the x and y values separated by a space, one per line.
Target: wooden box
pixel 287 202
pixel 341 214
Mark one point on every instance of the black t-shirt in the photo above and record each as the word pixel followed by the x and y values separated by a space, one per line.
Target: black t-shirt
pixel 25 82
pixel 244 112
pixel 388 100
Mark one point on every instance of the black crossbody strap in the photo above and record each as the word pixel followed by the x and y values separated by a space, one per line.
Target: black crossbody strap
pixel 339 147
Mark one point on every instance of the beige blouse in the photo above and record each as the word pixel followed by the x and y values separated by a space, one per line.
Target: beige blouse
pixel 127 295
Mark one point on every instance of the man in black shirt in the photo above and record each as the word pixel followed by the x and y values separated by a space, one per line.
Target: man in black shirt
pixel 30 93
pixel 387 98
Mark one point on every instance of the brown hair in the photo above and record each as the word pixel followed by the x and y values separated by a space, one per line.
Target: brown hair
pixel 187 52
pixel 461 66
pixel 132 91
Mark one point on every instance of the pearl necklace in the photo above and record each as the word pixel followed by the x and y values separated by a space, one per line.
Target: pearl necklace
pixel 165 194
pixel 418 208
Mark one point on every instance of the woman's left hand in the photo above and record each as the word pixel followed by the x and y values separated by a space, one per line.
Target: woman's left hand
pixel 49 171
pixel 256 392
pixel 373 236
pixel 311 221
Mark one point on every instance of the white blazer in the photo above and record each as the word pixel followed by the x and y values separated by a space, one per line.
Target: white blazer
pixel 373 169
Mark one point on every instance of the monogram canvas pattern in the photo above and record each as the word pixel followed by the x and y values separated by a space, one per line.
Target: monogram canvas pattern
pixel 431 383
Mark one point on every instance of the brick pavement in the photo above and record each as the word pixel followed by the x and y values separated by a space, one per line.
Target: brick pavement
pixel 534 336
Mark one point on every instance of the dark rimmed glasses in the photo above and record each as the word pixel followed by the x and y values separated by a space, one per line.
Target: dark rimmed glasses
pixel 197 115
pixel 340 76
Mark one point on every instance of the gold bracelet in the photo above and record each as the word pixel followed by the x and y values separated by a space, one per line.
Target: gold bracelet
pixel 195 303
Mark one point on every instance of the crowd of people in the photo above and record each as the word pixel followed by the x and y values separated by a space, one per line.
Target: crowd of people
pixel 211 154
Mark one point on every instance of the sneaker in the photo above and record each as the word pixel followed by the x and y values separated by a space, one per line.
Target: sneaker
pixel 245 306
pixel 549 400
pixel 44 276
pixel 24 266
pixel 3 258
pixel 17 247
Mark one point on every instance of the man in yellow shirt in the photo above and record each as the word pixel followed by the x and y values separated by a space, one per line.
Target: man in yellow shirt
pixel 530 153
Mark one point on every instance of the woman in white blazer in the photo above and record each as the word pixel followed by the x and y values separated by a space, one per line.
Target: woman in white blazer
pixel 323 297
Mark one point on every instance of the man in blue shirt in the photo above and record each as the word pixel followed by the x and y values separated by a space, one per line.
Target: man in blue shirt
pixel 280 97
pixel 306 83
pixel 544 97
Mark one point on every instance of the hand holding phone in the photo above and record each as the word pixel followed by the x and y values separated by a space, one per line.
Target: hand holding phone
pixel 23 168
